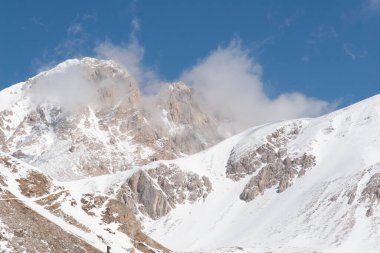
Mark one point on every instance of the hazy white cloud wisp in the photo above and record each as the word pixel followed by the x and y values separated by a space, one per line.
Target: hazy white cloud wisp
pixel 230 81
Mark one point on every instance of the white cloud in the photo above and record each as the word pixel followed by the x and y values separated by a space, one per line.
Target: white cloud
pixel 130 55
pixel 230 81
pixel 72 46
pixel 70 88
pixel 135 27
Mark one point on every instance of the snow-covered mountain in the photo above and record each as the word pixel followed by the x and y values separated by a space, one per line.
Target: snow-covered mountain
pixel 309 185
pixel 87 156
pixel 87 117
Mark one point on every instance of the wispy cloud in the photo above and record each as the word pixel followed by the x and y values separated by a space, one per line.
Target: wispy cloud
pixel 353 52
pixel 305 58
pixel 71 46
pixel 281 25
pixel 131 56
pixel 75 28
pixel 374 4
pixel 284 22
pixel 370 8
pixel 38 22
pixel 228 81
pixel 320 34
pixel 76 37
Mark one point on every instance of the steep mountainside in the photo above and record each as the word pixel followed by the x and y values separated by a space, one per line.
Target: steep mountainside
pixel 309 185
pixel 39 214
pixel 87 117
pixel 88 159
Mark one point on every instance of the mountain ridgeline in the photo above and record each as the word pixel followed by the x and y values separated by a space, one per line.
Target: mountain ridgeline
pixel 88 158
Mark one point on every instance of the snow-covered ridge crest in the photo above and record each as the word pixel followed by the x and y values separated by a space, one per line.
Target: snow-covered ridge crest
pixel 77 83
pixel 87 63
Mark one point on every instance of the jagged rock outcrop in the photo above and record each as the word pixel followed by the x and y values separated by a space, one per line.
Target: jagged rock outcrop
pixel 189 122
pixel 371 193
pixel 158 190
pixel 351 194
pixel 2 139
pixel 274 146
pixel 152 198
pixel 271 159
pixel 278 173
pixel 180 186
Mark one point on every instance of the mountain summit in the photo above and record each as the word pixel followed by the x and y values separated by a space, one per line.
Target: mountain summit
pixel 88 117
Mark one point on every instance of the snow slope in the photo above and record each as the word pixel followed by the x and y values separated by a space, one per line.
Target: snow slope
pixel 313 215
pixel 67 205
pixel 96 228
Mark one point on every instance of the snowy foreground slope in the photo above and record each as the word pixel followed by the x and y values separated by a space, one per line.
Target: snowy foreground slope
pixel 332 208
pixel 39 214
pixel 112 172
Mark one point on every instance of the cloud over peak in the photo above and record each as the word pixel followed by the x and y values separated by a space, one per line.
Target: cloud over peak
pixel 230 81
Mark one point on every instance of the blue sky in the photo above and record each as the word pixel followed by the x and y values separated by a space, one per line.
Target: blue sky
pixel 327 49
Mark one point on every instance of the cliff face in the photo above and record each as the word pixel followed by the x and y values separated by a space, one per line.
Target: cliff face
pixel 191 128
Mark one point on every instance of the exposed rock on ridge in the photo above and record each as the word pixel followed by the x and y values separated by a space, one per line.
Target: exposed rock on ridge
pixel 278 173
pixel 158 190
pixel 371 193
pixel 190 122
pixel 271 161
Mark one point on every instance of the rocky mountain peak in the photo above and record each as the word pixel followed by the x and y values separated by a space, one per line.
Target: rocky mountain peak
pixel 179 87
pixel 85 81
pixel 93 114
